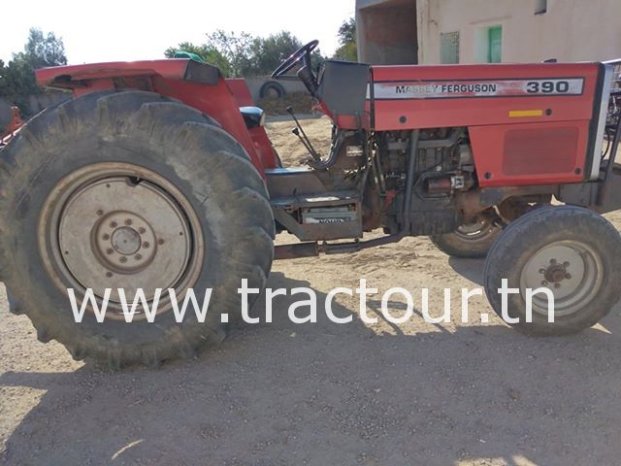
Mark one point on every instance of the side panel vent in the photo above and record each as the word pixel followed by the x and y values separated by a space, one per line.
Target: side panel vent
pixel 540 151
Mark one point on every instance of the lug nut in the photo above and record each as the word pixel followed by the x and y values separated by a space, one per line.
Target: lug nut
pixel 138 257
pixel 123 259
pixel 160 241
pixel 142 231
pixel 109 274
pixel 566 264
pixel 544 283
pixel 100 212
pixel 552 261
pixel 106 236
pixel 113 224
pixel 568 276
pixel 109 251
pixel 542 271
pixel 146 245
pixel 128 222
pixel 557 285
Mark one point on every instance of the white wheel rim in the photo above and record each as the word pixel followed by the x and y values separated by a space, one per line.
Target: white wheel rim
pixel 572 270
pixel 118 225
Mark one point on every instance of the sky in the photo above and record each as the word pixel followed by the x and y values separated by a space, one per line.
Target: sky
pixel 117 30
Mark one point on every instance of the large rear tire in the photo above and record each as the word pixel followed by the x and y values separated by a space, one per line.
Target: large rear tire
pixel 573 252
pixel 131 190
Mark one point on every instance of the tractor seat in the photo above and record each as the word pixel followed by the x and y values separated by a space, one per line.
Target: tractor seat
pixel 254 117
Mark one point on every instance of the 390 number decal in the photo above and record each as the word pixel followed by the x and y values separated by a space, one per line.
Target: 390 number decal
pixel 553 87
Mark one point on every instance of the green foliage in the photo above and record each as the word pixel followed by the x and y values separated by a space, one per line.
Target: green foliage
pixel 348 49
pixel 208 53
pixel 43 50
pixel 267 53
pixel 243 54
pixel 235 48
pixel 17 80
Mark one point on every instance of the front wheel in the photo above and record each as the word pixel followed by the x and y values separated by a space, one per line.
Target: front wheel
pixel 470 241
pixel 568 253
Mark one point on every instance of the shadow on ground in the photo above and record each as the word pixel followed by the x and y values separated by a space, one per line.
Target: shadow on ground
pixel 339 394
pixel 471 269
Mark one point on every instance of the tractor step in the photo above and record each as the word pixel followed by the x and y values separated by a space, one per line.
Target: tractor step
pixel 284 182
pixel 326 199
pixel 328 216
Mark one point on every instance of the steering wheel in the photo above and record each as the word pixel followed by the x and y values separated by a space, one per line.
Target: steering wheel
pixel 303 53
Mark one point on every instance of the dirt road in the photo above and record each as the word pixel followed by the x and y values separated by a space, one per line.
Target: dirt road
pixel 323 394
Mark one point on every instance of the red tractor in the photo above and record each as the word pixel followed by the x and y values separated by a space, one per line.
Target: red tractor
pixel 160 175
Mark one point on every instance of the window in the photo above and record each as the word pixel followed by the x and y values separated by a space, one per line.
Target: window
pixel 541 7
pixel 449 47
pixel 494 44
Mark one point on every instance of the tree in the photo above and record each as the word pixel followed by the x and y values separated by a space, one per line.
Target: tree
pixel 348 49
pixel 207 53
pixel 17 79
pixel 43 50
pixel 3 79
pixel 243 54
pixel 227 51
pixel 269 52
pixel 234 47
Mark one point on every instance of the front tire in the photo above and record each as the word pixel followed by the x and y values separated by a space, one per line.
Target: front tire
pixel 471 241
pixel 571 251
pixel 131 190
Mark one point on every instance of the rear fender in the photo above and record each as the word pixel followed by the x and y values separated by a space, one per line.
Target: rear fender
pixel 197 85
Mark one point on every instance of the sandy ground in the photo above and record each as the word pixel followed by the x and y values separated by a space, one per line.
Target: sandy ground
pixel 327 394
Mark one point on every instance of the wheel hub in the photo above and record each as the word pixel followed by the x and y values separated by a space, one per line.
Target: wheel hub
pixel 570 269
pixel 114 225
pixel 118 248
pixel 555 273
pixel 125 241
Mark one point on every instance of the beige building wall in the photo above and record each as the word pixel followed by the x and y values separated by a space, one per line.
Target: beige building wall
pixel 569 30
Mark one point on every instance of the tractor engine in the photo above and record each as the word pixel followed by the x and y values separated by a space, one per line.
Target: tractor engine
pixel 442 166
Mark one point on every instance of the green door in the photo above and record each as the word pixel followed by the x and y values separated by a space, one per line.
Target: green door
pixel 494 44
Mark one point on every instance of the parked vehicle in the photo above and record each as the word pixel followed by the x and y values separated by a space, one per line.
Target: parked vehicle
pixel 154 177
